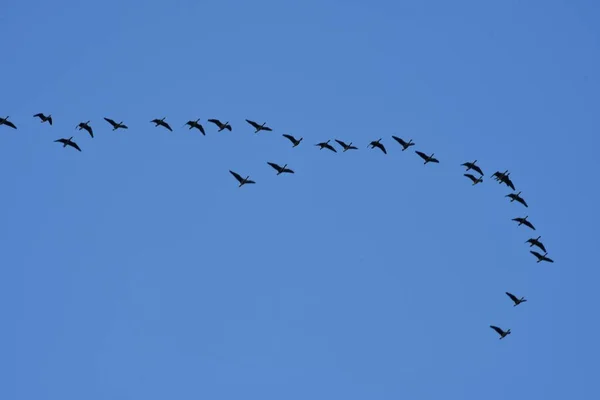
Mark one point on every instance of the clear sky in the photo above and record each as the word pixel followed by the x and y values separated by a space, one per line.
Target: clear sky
pixel 137 269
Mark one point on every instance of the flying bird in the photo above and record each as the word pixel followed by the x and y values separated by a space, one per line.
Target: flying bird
pixel 221 125
pixel 280 170
pixel 292 139
pixel 503 177
pixel 515 299
pixel 326 145
pixel 517 197
pixel 502 333
pixel 426 157
pixel 162 123
pixel 499 175
pixel 541 257
pixel 5 121
pixel 44 118
pixel 242 181
pixel 523 221
pixel 196 124
pixel 86 126
pixel 474 179
pixel 346 146
pixel 258 127
pixel 405 145
pixel 68 142
pixel 377 143
pixel 473 166
pixel 115 125
pixel 536 242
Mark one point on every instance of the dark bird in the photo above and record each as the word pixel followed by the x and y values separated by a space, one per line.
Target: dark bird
pixel 196 124
pixel 541 257
pixel 474 179
pixel 471 165
pixel 44 118
pixel 162 123
pixel 377 143
pixel 346 146
pixel 221 125
pixel 68 142
pixel 292 139
pixel 242 181
pixel 502 333
pixel 536 242
pixel 5 121
pixel 326 145
pixel 405 145
pixel 115 125
pixel 523 221
pixel 515 299
pixel 517 197
pixel 280 170
pixel 506 180
pixel 86 126
pixel 258 127
pixel 426 157
pixel 499 175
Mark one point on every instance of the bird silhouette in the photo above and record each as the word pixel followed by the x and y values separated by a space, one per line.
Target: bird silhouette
pixel 346 146
pixel 515 299
pixel 326 145
pixel 86 126
pixel 502 333
pixel 473 166
pixel 427 158
pixel 517 197
pixel 474 179
pixel 68 142
pixel 541 257
pixel 377 143
pixel 115 125
pixel 161 122
pixel 5 121
pixel 405 145
pixel 295 142
pixel 523 221
pixel 280 170
pixel 44 118
pixel 196 124
pixel 259 127
pixel 220 124
pixel 536 242
pixel 242 181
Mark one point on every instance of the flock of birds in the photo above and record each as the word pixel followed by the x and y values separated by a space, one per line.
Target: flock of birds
pixel 500 177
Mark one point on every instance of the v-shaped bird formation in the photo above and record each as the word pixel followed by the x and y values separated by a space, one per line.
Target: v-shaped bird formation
pixel 476 176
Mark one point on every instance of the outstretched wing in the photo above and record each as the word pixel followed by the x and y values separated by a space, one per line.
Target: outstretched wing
pixel 228 127
pixel 266 128
pixel 476 168
pixel 512 297
pixel 215 121
pixel 254 124
pixel 110 121
pixel 74 145
pixel 289 137
pixel 61 141
pixel 89 129
pixel 344 145
pixel 541 246
pixel 201 129
pixel 330 147
pixel 500 331
pixel 382 147
pixel 237 176
pixel 8 123
pixel 39 115
pixel 275 166
pixel 289 171
pixel 397 139
pixel 471 177
pixel 249 181
pixel 168 126
pixel 421 154
pixel 535 253
pixel 49 120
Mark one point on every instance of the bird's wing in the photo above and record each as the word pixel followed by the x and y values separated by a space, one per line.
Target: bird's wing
pixel 8 123
pixel 330 147
pixel 522 201
pixel 215 121
pixel 124 126
pixel 397 139
pixel 89 129
pixel 266 128
pixel 382 147
pixel 168 127
pixel 289 171
pixel 277 167
pixel 73 144
pixel 50 120
pixel 201 129
pixel 254 124
pixel 289 137
pixel 237 176
pixel 40 115
pixel 500 331
pixel 471 177
pixel 476 168
pixel 535 253
pixel 228 127
pixel 541 246
pixel 509 183
pixel 110 121
pixel 434 160
pixel 60 140
pixel 341 143
pixel 249 181
pixel 512 297
pixel 421 154
pixel 548 259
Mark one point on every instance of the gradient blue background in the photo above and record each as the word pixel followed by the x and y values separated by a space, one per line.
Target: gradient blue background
pixel 137 269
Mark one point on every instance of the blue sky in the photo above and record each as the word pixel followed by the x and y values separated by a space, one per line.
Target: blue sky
pixel 138 269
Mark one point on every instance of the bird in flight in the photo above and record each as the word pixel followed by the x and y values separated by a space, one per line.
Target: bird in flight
pixel 5 121
pixel 346 146
pixel 502 333
pixel 474 179
pixel 427 158
pixel 536 242
pixel 523 221
pixel 221 125
pixel 516 300
pixel 242 181
pixel 280 170
pixel 326 145
pixel 292 139
pixel 517 197
pixel 405 145
pixel 68 142
pixel 258 127
pixel 44 118
pixel 162 123
pixel 377 143
pixel 541 257
pixel 473 166
pixel 115 125
pixel 86 126
pixel 196 124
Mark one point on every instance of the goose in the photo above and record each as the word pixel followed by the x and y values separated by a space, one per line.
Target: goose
pixel 471 165
pixel 44 118
pixel 280 170
pixel 515 299
pixel 326 145
pixel 162 123
pixel 195 124
pixel 523 221
pixel 346 146
pixel 221 125
pixel 5 121
pixel 116 125
pixel 68 142
pixel 259 127
pixel 86 126
pixel 426 157
pixel 536 242
pixel 474 179
pixel 242 181
pixel 517 197
pixel 377 143
pixel 405 145
pixel 541 257
pixel 295 142
pixel 502 333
